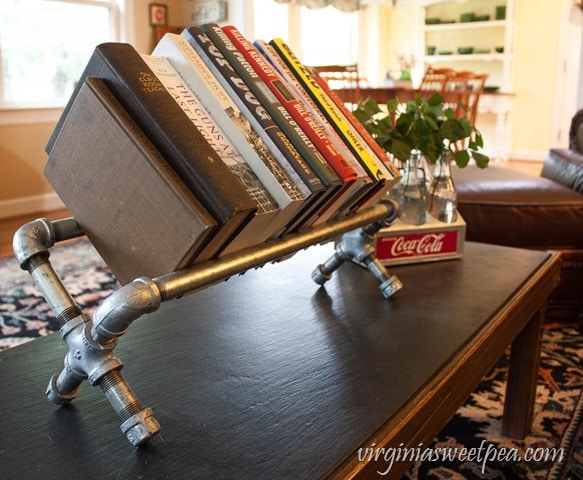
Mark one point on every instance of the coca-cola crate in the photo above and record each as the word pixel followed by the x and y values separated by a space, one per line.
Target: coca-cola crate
pixel 403 243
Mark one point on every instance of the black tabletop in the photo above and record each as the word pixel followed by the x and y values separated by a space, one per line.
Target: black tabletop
pixel 264 376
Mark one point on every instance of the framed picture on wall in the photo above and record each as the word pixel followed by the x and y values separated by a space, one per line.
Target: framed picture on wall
pixel 206 11
pixel 158 15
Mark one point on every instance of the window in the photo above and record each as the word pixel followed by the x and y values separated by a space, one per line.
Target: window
pixel 45 45
pixel 313 34
pixel 328 36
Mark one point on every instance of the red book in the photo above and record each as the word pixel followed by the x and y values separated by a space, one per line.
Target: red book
pixel 296 108
pixel 371 142
pixel 354 185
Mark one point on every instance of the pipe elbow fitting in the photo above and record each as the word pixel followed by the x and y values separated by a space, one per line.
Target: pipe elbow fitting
pixel 32 239
pixel 114 316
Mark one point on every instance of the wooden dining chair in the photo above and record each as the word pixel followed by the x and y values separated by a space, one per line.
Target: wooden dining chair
pixel 341 77
pixel 462 93
pixel 434 81
pixel 475 88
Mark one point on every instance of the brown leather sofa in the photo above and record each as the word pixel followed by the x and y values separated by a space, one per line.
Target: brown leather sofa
pixel 506 207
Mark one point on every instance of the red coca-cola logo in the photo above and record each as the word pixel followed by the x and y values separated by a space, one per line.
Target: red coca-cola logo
pixel 417 245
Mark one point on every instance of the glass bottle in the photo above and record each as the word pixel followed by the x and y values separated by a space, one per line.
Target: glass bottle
pixel 442 195
pixel 411 192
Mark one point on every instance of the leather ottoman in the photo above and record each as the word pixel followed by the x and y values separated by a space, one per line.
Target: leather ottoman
pixel 505 207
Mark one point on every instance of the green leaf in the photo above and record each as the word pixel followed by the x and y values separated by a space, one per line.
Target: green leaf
pixel 462 158
pixel 424 124
pixel 435 100
pixel 393 105
pixel 481 159
pixel 401 150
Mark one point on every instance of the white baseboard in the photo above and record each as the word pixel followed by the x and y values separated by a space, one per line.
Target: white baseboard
pixel 15 207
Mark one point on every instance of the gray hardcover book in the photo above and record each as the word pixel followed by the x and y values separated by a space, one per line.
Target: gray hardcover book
pixel 165 123
pixel 138 214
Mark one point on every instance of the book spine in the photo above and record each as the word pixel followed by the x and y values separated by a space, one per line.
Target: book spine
pixel 299 92
pixel 245 138
pixel 393 173
pixel 335 117
pixel 214 135
pixel 240 93
pixel 278 112
pixel 262 226
pixel 296 88
pixel 296 108
pixel 390 172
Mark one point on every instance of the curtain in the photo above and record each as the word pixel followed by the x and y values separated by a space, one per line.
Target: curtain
pixel 342 5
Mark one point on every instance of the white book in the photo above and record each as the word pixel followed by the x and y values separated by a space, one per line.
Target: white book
pixel 264 224
pixel 236 126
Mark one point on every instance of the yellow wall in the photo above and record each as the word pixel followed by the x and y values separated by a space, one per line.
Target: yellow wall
pixel 22 160
pixel 535 74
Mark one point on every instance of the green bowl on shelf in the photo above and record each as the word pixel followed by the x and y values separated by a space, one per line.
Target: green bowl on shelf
pixel 430 49
pixel 499 49
pixel 482 50
pixel 432 21
pixel 445 52
pixel 481 18
pixel 491 88
pixel 465 50
pixel 467 17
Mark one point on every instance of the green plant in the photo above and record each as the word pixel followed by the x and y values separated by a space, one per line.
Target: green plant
pixel 424 125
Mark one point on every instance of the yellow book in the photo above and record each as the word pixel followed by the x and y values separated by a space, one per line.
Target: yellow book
pixel 335 116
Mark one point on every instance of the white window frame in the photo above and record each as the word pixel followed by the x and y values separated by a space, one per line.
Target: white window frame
pixel 294 21
pixel 35 114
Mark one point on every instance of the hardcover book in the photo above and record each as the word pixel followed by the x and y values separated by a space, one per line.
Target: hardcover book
pixel 279 113
pixel 121 191
pixel 183 146
pixel 354 184
pixel 373 147
pixel 287 155
pixel 236 127
pixel 374 167
pixel 265 223
pixel 300 93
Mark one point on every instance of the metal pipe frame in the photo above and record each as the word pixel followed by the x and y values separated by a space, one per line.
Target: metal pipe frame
pixel 91 341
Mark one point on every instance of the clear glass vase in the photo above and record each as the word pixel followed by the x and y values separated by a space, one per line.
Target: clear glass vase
pixel 411 191
pixel 442 195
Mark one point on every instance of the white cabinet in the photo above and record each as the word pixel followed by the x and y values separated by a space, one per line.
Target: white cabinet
pixel 488 38
pixel 446 26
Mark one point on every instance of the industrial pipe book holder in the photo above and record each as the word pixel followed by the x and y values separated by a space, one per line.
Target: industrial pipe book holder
pixel 91 341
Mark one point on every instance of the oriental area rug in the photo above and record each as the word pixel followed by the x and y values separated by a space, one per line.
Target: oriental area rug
pixel 552 451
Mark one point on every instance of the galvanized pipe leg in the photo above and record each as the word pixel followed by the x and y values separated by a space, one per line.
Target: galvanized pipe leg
pixel 94 361
pixel 138 423
pixel 91 342
pixel 356 246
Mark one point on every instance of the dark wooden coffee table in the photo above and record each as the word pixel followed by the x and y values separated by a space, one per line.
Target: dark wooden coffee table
pixel 269 376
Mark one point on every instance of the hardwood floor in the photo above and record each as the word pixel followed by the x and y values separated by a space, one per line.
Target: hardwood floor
pixel 9 226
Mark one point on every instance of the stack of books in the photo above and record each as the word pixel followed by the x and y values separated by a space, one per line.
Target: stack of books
pixel 211 144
